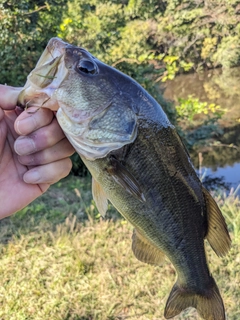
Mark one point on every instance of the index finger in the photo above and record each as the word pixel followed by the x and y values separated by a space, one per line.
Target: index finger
pixel 32 119
pixel 9 96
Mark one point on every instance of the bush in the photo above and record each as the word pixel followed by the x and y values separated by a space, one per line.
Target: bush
pixel 25 28
pixel 174 35
pixel 205 33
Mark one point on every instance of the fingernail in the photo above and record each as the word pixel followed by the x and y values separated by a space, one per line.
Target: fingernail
pixel 24 146
pixel 26 125
pixel 31 176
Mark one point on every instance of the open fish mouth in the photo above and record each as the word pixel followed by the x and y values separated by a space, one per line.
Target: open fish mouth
pixel 47 76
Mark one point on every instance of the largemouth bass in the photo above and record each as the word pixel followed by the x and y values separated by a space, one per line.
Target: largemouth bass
pixel 138 163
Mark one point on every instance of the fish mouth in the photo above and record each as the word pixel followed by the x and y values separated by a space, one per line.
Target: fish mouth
pixel 47 76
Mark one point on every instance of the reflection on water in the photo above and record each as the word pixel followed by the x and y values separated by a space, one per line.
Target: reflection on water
pixel 221 163
pixel 231 172
pixel 227 177
pixel 222 88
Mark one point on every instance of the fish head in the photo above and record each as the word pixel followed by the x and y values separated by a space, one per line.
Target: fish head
pixel 93 108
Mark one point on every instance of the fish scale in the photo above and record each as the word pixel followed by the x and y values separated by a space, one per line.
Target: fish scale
pixel 170 220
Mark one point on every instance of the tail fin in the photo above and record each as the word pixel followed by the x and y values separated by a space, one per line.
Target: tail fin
pixel 209 305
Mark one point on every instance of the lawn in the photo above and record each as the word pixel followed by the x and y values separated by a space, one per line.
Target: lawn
pixel 61 260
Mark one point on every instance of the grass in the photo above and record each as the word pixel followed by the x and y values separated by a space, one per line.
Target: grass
pixel 59 260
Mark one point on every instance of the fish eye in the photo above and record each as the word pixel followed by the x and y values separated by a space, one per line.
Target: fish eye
pixel 87 66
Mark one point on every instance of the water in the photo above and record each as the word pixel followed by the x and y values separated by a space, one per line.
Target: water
pixel 227 177
pixel 232 173
pixel 222 163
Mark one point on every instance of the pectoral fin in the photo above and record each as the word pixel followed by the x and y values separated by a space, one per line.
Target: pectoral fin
pixel 217 234
pixel 125 179
pixel 100 198
pixel 145 251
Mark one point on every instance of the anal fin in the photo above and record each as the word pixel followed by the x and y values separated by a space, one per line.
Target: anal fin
pixel 145 251
pixel 100 198
pixel 217 234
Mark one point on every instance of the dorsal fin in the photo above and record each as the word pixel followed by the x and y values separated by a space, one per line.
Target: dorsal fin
pixel 217 234
pixel 100 198
pixel 145 251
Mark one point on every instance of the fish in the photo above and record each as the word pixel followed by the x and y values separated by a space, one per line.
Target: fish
pixel 139 163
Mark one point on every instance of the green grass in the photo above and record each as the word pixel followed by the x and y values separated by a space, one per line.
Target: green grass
pixel 59 260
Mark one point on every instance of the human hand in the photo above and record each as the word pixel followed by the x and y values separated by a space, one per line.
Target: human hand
pixel 34 152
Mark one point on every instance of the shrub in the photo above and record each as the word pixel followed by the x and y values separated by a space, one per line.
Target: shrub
pixel 25 28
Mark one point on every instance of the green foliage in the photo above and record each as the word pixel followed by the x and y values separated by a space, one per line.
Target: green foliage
pixel 228 52
pixel 191 107
pixel 174 36
pixel 197 121
pixel 172 66
pixel 204 33
pixel 78 167
pixel 25 28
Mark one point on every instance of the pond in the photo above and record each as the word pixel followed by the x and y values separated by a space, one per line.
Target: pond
pixel 219 163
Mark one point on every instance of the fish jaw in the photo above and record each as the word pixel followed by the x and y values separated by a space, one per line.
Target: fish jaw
pixel 45 78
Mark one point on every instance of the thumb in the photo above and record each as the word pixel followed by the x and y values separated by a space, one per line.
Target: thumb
pixel 8 97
